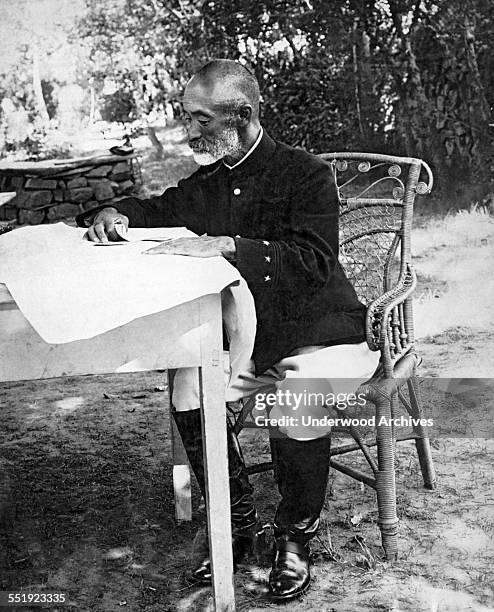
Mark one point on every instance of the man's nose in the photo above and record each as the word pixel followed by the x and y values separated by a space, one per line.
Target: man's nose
pixel 193 131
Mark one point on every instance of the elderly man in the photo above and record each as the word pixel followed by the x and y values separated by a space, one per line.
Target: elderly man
pixel 272 211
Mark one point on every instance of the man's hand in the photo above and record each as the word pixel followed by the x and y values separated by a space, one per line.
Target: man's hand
pixel 201 246
pixel 103 227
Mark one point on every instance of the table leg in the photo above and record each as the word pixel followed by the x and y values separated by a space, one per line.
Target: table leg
pixel 213 410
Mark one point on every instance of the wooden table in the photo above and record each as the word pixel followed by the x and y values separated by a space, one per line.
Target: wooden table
pixel 189 335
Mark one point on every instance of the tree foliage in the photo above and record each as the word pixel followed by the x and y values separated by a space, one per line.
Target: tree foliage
pixel 436 65
pixel 412 77
pixel 401 76
pixel 136 45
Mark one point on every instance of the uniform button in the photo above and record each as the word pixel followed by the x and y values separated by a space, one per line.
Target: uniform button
pixel 236 191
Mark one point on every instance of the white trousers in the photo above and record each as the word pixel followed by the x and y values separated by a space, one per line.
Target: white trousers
pixel 299 386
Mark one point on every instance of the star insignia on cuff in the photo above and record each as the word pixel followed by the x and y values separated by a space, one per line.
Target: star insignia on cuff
pixel 267 258
pixel 265 242
pixel 267 278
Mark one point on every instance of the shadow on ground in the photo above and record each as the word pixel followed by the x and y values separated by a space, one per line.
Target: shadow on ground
pixel 86 508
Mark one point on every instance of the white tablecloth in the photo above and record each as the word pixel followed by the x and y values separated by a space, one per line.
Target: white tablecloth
pixel 71 289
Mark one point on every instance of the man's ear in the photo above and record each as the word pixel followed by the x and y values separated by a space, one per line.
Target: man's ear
pixel 244 115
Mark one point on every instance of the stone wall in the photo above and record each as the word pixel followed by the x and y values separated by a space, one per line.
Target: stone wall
pixel 53 190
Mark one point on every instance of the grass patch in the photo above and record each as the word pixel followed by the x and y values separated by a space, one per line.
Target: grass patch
pixel 468 228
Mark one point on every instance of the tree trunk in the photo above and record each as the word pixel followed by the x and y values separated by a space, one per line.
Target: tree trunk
pixel 476 107
pixel 158 147
pixel 92 105
pixel 421 114
pixel 38 92
pixel 356 78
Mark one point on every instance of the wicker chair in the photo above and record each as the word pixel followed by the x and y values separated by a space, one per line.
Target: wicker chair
pixel 377 193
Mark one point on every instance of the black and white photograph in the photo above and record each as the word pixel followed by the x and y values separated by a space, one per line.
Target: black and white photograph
pixel 246 288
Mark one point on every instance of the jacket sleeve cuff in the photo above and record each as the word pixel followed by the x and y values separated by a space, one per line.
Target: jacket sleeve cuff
pixel 124 206
pixel 258 261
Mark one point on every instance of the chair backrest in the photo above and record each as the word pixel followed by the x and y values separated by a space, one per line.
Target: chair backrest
pixel 377 194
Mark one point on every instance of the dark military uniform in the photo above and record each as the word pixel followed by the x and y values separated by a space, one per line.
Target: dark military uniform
pixel 281 206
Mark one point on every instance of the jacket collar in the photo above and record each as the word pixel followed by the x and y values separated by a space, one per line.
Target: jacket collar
pixel 256 160
pixel 249 152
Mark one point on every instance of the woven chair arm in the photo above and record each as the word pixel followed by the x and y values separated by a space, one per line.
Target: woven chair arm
pixel 379 311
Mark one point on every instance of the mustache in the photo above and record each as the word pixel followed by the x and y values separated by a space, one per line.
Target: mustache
pixel 200 146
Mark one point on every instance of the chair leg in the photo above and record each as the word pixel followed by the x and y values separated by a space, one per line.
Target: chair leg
pixel 385 477
pixel 422 441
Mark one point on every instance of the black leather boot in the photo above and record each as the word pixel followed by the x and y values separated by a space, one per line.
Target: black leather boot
pixel 246 528
pixel 301 473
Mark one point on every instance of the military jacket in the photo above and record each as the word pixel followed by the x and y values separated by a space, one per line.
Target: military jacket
pixel 281 207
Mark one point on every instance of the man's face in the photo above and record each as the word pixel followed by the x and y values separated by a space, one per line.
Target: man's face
pixel 211 132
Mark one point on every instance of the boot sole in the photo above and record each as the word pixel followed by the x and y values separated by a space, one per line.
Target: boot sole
pixel 288 596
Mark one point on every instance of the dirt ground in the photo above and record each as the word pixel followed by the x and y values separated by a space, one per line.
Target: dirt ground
pixel 87 510
pixel 86 503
